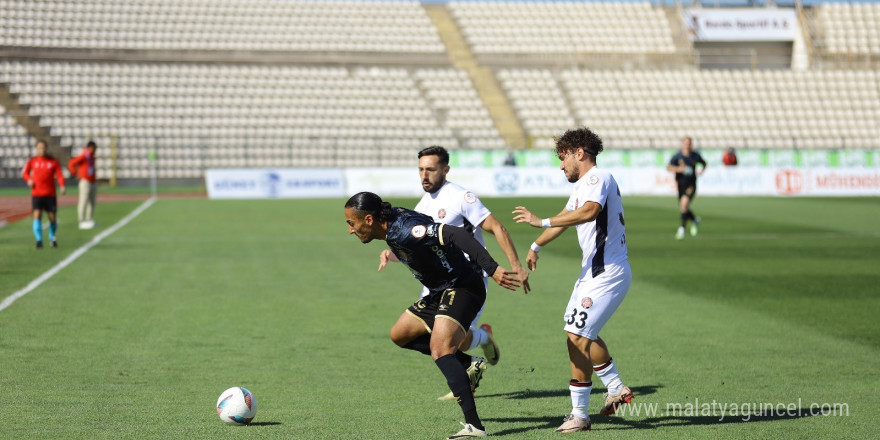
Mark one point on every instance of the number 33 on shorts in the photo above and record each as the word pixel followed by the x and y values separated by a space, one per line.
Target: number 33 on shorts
pixel 578 319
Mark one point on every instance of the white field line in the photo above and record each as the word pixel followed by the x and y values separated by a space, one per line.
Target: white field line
pixel 76 254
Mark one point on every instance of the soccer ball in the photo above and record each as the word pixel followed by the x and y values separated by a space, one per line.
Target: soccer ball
pixel 237 406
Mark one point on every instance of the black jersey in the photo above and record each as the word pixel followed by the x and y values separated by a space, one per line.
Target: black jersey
pixel 689 176
pixel 420 243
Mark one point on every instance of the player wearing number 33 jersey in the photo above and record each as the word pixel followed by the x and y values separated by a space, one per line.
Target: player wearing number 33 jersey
pixel 605 274
pixel 595 210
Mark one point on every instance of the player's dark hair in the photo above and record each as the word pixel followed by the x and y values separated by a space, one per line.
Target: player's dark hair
pixel 369 203
pixel 581 138
pixel 41 141
pixel 436 150
pixel 92 144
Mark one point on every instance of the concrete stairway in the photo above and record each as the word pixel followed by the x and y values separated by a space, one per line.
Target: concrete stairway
pixel 31 124
pixel 484 80
pixel 680 36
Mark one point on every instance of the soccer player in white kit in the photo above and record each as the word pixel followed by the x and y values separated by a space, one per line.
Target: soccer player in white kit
pixel 595 209
pixel 451 204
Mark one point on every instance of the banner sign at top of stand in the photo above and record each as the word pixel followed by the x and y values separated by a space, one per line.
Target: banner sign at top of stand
pixel 741 24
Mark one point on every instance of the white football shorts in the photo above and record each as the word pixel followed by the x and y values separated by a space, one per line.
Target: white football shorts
pixel 594 300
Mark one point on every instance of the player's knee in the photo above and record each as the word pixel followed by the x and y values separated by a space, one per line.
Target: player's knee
pixel 440 352
pixel 398 337
pixel 580 342
pixel 440 348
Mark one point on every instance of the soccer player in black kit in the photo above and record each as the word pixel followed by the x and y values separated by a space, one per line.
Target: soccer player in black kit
pixel 436 324
pixel 684 165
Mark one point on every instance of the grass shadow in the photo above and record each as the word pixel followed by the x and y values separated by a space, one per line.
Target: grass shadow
pixel 643 390
pixel 621 423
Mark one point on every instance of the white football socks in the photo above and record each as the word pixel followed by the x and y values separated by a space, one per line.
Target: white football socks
pixel 480 338
pixel 608 373
pixel 580 397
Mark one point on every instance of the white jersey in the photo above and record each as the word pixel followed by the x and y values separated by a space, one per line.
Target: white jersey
pixel 603 240
pixel 456 206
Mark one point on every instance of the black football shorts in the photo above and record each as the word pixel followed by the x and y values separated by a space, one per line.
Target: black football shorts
pixel 47 203
pixel 687 189
pixel 460 304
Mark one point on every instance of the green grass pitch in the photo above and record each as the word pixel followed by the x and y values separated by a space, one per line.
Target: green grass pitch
pixel 776 301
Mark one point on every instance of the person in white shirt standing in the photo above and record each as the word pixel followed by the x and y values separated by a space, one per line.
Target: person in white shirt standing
pixel 595 209
pixel 451 204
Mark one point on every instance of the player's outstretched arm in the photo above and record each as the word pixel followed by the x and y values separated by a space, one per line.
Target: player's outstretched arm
pixel 493 226
pixel 467 243
pixel 386 256
pixel 584 214
pixel 545 238
pixel 523 215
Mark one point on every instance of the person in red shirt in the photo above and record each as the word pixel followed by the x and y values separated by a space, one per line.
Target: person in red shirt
pixel 729 157
pixel 83 167
pixel 40 173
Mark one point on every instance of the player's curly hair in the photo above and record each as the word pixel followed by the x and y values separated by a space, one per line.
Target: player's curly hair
pixel 370 203
pixel 582 138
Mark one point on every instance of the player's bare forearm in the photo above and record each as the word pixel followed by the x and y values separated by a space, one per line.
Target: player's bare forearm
pixel 523 215
pixel 584 214
pixel 548 235
pixel 493 226
pixel 543 239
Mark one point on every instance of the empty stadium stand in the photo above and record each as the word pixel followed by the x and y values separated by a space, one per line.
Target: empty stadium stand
pixel 563 27
pixel 222 115
pixel 849 29
pixel 240 83
pixel 14 145
pixel 720 108
pixel 238 25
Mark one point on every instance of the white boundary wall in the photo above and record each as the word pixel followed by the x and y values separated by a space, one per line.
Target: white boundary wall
pixel 544 181
pixel 268 183
pixel 727 181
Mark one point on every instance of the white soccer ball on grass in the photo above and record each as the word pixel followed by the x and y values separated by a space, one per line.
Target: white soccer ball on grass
pixel 237 406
